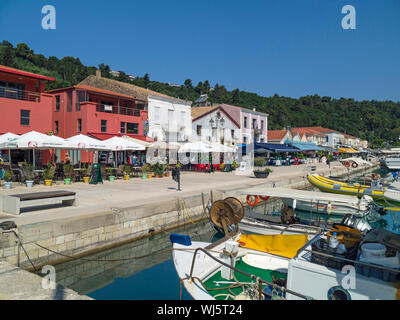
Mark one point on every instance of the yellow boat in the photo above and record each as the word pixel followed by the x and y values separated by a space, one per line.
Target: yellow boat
pixel 328 185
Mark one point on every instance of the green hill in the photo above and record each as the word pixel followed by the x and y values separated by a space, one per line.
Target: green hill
pixel 376 121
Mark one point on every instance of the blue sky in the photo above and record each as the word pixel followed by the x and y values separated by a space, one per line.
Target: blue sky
pixel 292 48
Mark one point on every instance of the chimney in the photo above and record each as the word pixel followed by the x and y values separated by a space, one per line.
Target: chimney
pixel 98 73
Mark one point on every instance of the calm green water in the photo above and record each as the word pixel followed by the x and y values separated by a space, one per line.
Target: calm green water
pixel 152 277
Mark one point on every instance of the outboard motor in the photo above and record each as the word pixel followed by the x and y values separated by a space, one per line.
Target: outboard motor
pixel 357 223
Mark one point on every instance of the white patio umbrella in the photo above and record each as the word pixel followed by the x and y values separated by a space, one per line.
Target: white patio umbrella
pixel 5 139
pixel 217 147
pixel 36 140
pixel 138 141
pixel 122 144
pixel 83 142
pixel 196 147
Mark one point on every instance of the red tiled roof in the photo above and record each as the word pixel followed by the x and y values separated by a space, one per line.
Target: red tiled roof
pixel 276 134
pixel 94 89
pixel 23 73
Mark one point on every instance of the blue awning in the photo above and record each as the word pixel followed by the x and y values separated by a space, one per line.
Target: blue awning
pixel 274 147
pixel 307 146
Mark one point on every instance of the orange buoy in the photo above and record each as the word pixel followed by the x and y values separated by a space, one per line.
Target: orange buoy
pixel 347 164
pixel 251 202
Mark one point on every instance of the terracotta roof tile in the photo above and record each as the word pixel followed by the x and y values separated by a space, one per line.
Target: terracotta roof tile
pixel 23 73
pixel 276 134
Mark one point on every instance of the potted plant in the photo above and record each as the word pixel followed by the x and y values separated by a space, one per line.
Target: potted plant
pixel 262 173
pixel 110 175
pixel 234 165
pixel 145 170
pixel 127 171
pixel 8 177
pixel 84 172
pixel 29 174
pixel 48 174
pixel 68 173
pixel 166 170
pixel 158 170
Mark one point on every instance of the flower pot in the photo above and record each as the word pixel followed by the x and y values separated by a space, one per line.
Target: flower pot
pixel 111 178
pixel 261 174
pixel 67 181
pixel 149 176
pixel 156 176
pixel 167 174
pixel 8 184
pixel 86 179
pixel 144 176
pixel 126 177
pixel 29 183
pixel 48 182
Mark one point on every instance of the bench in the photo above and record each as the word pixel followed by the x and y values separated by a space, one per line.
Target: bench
pixel 12 203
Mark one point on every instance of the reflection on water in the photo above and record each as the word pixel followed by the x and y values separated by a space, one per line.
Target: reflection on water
pixel 151 276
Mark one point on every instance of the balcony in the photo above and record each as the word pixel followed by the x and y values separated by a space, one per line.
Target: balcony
pixel 17 94
pixel 118 110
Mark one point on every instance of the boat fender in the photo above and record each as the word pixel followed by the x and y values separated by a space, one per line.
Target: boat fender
pixel 251 202
pixel 354 165
pixel 264 198
pixel 347 164
pixel 329 208
pixel 180 239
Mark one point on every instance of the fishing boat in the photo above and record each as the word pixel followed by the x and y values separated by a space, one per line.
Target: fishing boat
pixel 392 163
pixel 385 195
pixel 291 267
pixel 315 202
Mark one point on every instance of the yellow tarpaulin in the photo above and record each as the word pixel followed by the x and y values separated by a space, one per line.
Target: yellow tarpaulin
pixel 348 150
pixel 282 245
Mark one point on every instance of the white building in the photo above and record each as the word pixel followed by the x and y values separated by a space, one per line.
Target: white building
pixel 169 119
pixel 214 124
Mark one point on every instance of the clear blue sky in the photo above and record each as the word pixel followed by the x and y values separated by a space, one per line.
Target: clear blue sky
pixel 292 48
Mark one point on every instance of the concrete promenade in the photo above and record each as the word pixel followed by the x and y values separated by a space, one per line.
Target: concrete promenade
pixel 121 194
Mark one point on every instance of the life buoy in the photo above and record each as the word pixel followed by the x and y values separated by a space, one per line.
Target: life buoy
pixel 264 198
pixel 347 164
pixel 354 164
pixel 250 202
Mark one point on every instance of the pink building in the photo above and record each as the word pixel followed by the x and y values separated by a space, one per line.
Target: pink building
pixel 251 121
pixel 25 107
pixel 99 113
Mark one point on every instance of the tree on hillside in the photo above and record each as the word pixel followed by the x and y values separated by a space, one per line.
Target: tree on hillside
pixel 188 84
pixel 23 51
pixel 206 86
pixel 105 70
pixel 7 57
pixel 235 96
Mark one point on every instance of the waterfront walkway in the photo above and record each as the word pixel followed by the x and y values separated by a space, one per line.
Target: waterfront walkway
pixel 122 194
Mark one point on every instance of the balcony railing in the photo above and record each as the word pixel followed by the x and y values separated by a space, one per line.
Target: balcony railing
pixel 17 94
pixel 118 110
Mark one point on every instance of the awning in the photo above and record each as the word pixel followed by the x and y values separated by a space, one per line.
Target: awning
pixel 274 147
pixel 105 136
pixel 306 146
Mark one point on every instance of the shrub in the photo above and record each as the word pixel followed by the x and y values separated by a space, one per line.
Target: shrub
pixel 146 168
pixel 8 176
pixel 260 162
pixel 68 171
pixel 28 171
pixel 127 169
pixel 48 172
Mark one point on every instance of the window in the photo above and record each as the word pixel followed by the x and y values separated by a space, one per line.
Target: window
pixel 132 128
pixel 254 123
pixel 244 139
pixel 79 125
pixel 25 116
pixel 233 134
pixel 107 106
pixel 198 130
pixel 262 124
pixel 80 97
pixel 58 103
pixel 156 115
pixel 170 118
pixel 182 120
pixel 56 127
pixel 245 122
pixel 103 125
pixel 69 101
pixel 123 125
pixel 262 140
